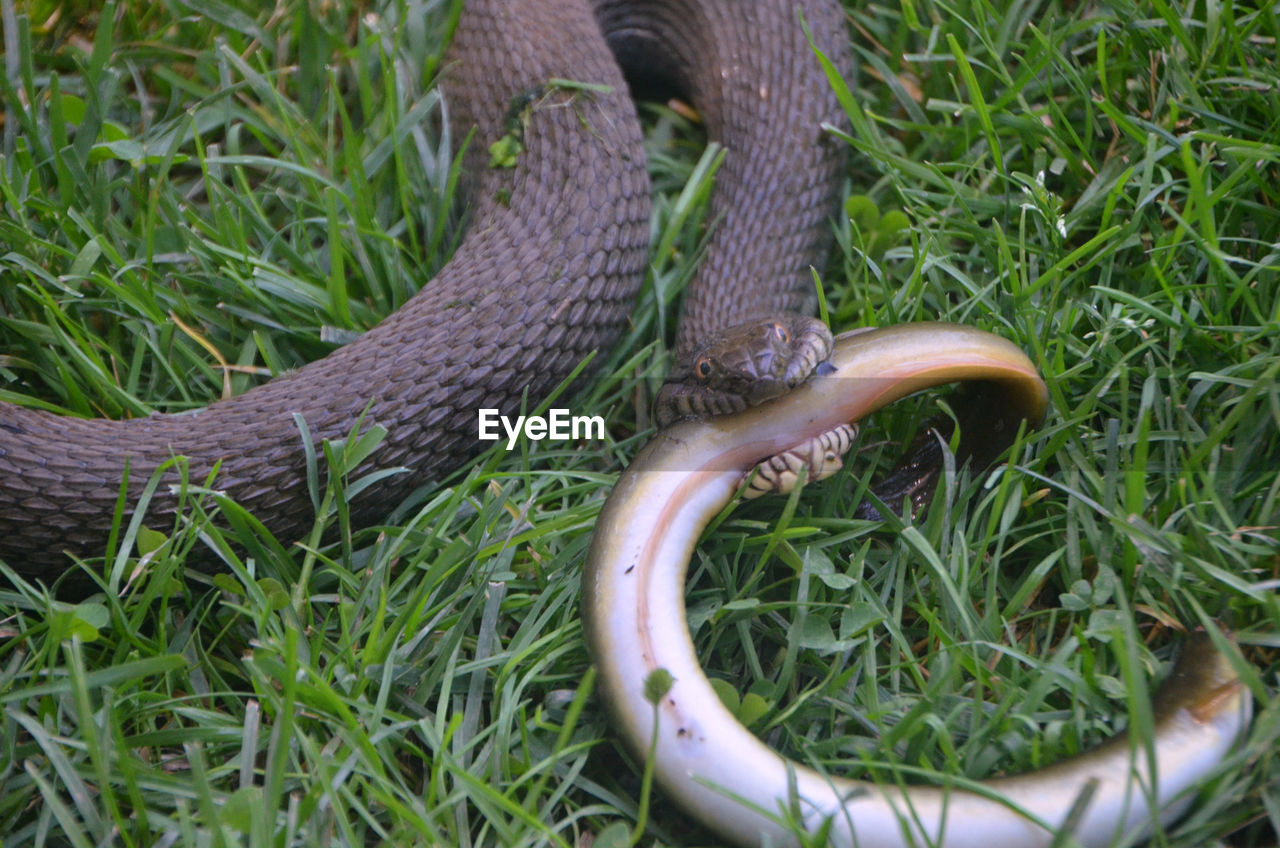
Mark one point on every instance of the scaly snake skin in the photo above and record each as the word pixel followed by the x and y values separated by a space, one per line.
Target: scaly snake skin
pixel 554 253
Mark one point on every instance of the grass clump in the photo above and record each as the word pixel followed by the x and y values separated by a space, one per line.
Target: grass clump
pixel 198 196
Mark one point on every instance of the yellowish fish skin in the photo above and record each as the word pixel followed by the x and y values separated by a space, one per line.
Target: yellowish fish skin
pixel 634 618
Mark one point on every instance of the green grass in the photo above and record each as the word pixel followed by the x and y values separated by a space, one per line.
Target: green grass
pixel 1099 183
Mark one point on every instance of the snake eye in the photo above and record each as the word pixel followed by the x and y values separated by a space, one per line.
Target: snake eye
pixel 703 368
pixel 780 332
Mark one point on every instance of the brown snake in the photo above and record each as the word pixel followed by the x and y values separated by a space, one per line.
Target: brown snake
pixel 554 254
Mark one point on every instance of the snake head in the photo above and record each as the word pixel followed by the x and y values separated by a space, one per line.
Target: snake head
pixel 743 366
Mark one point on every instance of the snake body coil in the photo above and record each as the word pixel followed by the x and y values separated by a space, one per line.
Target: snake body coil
pixel 553 256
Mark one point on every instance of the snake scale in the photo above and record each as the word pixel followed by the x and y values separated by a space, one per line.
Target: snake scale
pixel 553 256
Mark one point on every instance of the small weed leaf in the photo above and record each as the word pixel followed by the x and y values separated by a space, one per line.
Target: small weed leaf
pixel 657 684
pixel 84 621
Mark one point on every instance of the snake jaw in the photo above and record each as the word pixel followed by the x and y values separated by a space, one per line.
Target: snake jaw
pixel 744 366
